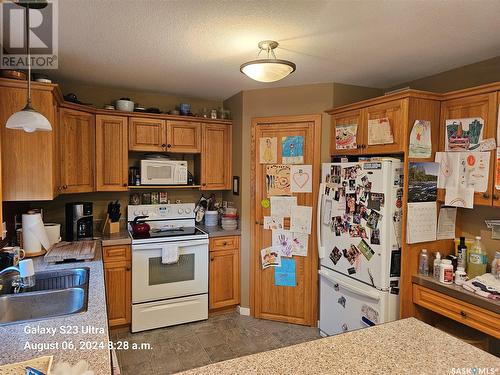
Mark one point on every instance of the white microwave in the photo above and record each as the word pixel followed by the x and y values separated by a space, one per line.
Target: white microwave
pixel 164 172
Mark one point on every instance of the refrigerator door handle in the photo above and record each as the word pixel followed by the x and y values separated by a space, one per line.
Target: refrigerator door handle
pixel 321 249
pixel 352 288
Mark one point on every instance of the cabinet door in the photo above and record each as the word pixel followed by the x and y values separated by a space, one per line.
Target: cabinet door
pixel 347 132
pixel 29 169
pixel 224 283
pixel 216 157
pixel 397 113
pixel 76 142
pixel 111 153
pixel 145 134
pixel 183 136
pixel 496 174
pixel 118 278
pixel 484 106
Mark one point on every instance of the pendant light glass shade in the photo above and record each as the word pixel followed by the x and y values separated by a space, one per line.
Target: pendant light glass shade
pixel 267 70
pixel 270 69
pixel 28 120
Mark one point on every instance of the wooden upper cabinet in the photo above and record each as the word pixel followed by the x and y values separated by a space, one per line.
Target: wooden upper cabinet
pixel 216 157
pixel 496 192
pixel 397 113
pixel 76 146
pixel 344 133
pixel 111 153
pixel 481 105
pixel 145 134
pixel 29 160
pixel 184 136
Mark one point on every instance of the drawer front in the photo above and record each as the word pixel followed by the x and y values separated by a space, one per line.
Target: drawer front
pixel 116 253
pixel 224 243
pixel 463 312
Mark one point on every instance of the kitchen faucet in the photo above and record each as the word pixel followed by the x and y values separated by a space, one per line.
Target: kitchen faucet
pixel 26 275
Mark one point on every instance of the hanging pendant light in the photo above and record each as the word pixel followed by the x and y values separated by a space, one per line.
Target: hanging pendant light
pixel 270 69
pixel 29 119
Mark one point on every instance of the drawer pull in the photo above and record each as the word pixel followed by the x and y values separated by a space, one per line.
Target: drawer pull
pixel 486 195
pixel 463 313
pixel 224 243
pixel 495 197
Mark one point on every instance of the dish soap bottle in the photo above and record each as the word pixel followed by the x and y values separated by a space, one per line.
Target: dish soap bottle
pixel 437 265
pixel 477 259
pixel 423 263
pixel 495 265
pixel 462 253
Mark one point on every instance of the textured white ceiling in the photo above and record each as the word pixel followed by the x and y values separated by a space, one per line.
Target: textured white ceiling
pixel 195 47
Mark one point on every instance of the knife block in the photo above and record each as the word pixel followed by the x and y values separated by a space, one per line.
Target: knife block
pixel 110 227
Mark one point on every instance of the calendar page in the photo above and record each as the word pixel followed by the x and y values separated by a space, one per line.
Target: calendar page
pixel 422 222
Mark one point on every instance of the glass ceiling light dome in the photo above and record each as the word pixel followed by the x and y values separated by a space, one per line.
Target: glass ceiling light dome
pixel 270 69
pixel 28 119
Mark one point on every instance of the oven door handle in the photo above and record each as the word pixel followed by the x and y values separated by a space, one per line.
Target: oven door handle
pixel 149 246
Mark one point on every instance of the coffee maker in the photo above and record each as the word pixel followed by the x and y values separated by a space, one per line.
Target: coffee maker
pixel 79 221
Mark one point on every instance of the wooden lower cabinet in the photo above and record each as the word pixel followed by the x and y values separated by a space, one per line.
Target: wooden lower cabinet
pixel 471 315
pixel 118 280
pixel 224 266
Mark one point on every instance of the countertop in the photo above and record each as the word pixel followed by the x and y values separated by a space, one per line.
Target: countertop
pixel 456 291
pixel 114 239
pixel 406 346
pixel 14 338
pixel 218 231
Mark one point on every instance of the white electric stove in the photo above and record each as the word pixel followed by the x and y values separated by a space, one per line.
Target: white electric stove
pixel 168 294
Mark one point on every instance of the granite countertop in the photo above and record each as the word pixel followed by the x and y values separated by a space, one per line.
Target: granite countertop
pixel 218 231
pixel 15 337
pixel 120 238
pixel 456 291
pixel 406 346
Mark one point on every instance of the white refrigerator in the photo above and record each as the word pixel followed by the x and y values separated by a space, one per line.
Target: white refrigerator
pixel 359 236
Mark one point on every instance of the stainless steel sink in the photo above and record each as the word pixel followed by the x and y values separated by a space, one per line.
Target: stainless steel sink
pixel 56 293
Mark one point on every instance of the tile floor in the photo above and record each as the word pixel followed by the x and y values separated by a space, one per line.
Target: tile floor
pixel 197 344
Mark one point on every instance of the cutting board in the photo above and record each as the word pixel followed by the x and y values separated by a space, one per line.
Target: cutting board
pixel 77 250
pixel 41 363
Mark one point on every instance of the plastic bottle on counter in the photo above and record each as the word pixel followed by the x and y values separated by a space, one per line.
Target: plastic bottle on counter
pixel 460 276
pixel 462 253
pixel 495 265
pixel 437 265
pixel 446 272
pixel 477 259
pixel 423 263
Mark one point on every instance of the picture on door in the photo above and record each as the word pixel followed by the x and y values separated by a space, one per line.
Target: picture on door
pixel 278 179
pixel 292 149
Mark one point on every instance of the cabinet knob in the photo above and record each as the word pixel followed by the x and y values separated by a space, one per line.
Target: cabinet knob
pixel 125 185
pixel 224 243
pixel 163 145
pixel 463 313
pixel 211 259
pixel 65 186
pixel 363 146
pixel 127 269
pixel 169 145
pixel 495 197
pixel 203 184
pixel 486 195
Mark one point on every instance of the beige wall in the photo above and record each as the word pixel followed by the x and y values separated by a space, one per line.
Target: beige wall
pixel 296 100
pixel 101 95
pixel 476 74
pixel 472 224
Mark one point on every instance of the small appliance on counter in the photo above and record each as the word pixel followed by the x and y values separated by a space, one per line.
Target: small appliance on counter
pixel 79 221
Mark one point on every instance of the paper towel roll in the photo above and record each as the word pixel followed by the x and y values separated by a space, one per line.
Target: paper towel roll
pixel 34 234
pixel 53 233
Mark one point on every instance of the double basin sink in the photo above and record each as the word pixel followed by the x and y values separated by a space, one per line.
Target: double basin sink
pixel 56 293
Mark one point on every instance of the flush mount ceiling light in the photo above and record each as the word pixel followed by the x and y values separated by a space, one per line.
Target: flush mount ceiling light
pixel 270 69
pixel 28 119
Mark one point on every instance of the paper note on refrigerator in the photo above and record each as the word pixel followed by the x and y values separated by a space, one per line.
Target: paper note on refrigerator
pixel 285 275
pixel 300 219
pixel 446 223
pixel 459 197
pixel 281 206
pixel 421 223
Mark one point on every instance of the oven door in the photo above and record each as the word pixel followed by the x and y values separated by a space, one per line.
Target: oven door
pixel 152 280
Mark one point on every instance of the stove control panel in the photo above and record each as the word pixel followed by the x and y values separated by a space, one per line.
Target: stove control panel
pixel 162 211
